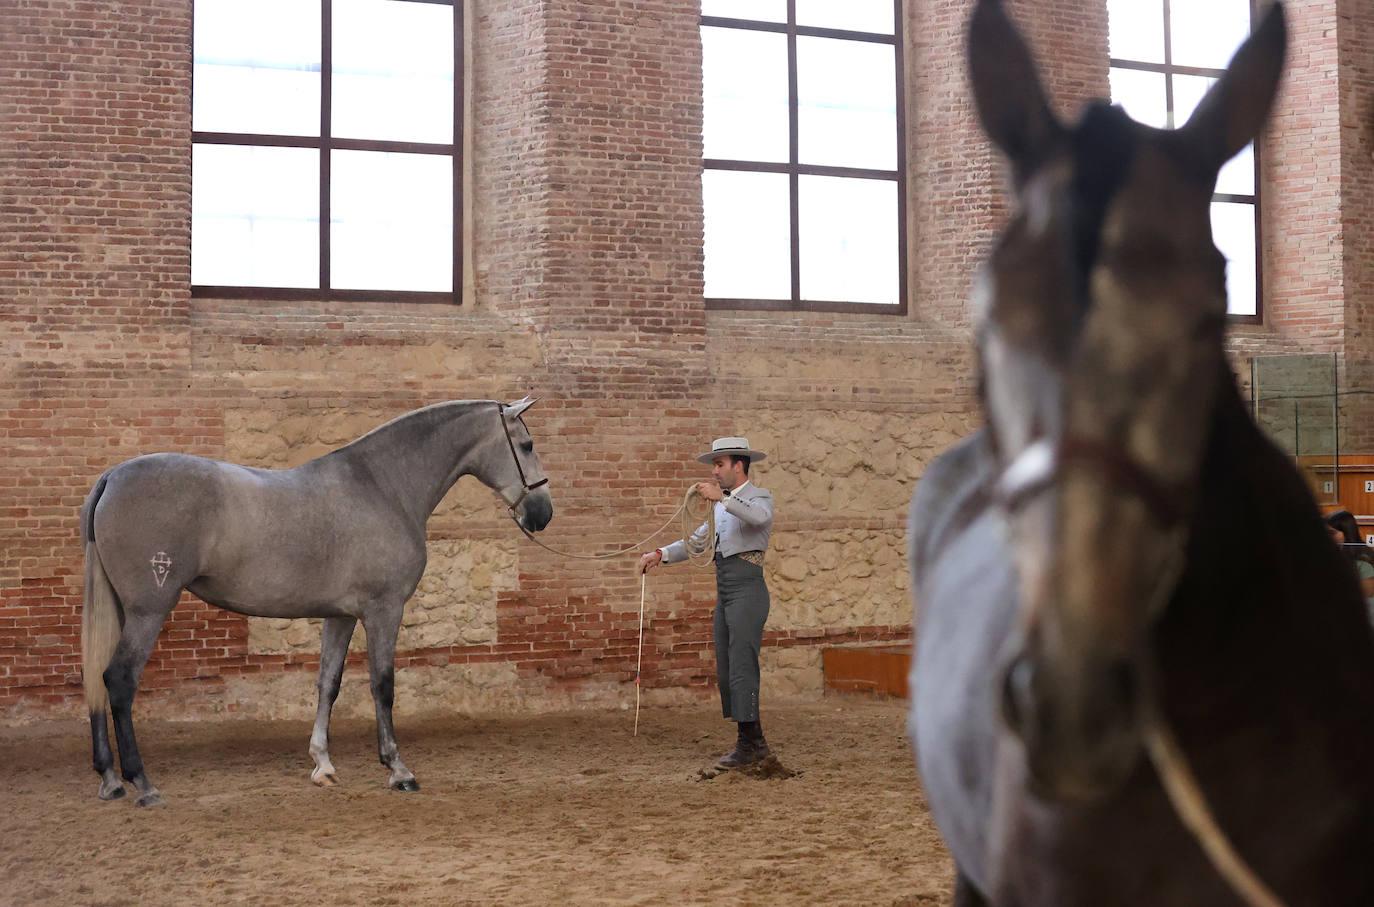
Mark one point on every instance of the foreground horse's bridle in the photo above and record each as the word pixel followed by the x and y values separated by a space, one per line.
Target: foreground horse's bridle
pixel 525 486
pixel 1037 468
pixel 1041 465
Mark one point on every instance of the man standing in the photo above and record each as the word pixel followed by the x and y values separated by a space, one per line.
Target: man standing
pixel 744 521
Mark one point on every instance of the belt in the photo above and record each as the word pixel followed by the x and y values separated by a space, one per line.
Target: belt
pixel 753 557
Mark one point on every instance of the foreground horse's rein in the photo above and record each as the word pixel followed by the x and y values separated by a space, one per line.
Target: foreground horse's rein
pixel 1034 471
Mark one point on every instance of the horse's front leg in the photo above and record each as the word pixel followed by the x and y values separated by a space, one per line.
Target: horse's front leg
pixel 382 628
pixel 334 639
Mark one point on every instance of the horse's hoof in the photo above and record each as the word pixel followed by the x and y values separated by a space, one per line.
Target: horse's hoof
pixel 151 798
pixel 409 785
pixel 324 779
pixel 112 793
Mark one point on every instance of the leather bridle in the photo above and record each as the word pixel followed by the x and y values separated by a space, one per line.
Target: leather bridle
pixel 525 485
pixel 1042 464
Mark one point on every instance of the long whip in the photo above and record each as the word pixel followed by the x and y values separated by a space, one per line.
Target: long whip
pixel 639 658
pixel 700 551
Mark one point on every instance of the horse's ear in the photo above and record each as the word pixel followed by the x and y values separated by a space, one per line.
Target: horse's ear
pixel 519 406
pixel 1234 109
pixel 1006 89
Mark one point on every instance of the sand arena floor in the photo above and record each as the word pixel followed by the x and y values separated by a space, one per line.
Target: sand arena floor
pixel 513 810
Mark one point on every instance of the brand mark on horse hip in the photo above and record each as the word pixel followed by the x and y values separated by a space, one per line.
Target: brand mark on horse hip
pixel 161 564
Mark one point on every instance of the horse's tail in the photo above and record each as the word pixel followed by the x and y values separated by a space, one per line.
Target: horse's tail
pixel 100 624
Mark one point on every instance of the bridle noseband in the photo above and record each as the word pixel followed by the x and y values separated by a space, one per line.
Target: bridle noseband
pixel 1041 465
pixel 525 485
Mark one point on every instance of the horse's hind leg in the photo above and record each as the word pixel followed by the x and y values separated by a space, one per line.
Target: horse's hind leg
pixel 102 758
pixel 334 640
pixel 382 628
pixel 121 680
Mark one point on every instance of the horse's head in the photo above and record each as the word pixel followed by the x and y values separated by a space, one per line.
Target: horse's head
pixel 515 470
pixel 1102 312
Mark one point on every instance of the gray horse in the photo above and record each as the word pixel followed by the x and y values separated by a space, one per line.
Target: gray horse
pixel 1120 554
pixel 340 538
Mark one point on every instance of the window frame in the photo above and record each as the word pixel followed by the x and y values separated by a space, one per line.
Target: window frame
pixel 794 170
pixel 325 143
pixel 1169 69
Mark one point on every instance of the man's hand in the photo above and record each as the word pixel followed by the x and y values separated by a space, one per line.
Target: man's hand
pixel 710 491
pixel 652 559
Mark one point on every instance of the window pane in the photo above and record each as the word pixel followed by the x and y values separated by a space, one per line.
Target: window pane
pixel 748 235
pixel 391 221
pixel 855 15
pixel 762 10
pixel 1233 232
pixel 393 71
pixel 1135 30
pixel 744 87
pixel 847 96
pixel 255 216
pixel 1141 94
pixel 848 239
pixel 1207 33
pixel 257 67
pixel 1238 174
pixel 1188 92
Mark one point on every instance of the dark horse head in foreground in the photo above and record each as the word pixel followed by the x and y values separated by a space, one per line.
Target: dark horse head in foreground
pixel 1080 582
pixel 340 538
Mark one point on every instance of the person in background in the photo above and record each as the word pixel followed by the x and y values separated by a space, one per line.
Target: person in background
pixel 1345 531
pixel 744 522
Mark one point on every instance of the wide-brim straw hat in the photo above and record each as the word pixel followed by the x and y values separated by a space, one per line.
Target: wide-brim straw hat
pixel 731 447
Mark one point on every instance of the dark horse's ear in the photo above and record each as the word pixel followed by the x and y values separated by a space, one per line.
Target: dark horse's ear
pixel 1006 88
pixel 1234 109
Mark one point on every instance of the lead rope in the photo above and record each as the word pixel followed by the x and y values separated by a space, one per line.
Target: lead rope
pixel 700 551
pixel 1191 806
pixel 1181 785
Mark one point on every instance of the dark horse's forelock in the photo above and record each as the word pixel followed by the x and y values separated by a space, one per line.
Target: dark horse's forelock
pixel 1104 144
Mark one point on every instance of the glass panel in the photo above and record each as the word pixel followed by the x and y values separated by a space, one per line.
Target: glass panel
pixel 1233 232
pixel 748 235
pixel 1135 30
pixel 1141 94
pixel 762 10
pixel 1207 33
pixel 848 239
pixel 1238 174
pixel 255 216
pixel 1295 402
pixel 393 71
pixel 391 221
pixel 847 97
pixel 854 15
pixel 1188 92
pixel 257 67
pixel 744 93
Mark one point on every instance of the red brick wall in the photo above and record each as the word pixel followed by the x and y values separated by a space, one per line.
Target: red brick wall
pixel 586 252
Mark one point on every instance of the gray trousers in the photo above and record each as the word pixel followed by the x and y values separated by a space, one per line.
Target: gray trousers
pixel 741 610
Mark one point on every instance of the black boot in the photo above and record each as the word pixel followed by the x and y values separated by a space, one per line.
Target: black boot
pixel 750 747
